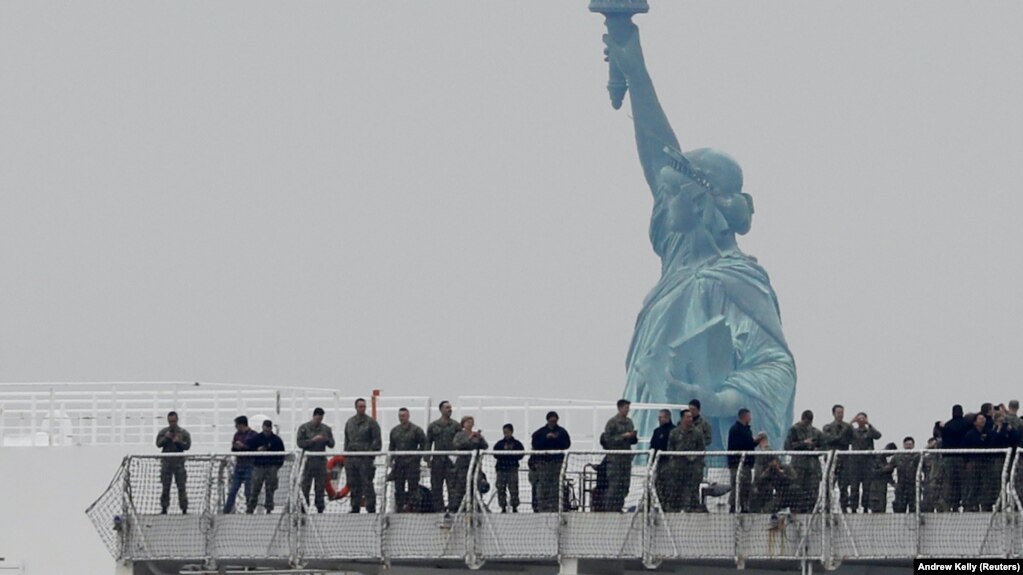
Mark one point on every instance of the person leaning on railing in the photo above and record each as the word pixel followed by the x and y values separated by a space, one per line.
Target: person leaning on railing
pixel 173 439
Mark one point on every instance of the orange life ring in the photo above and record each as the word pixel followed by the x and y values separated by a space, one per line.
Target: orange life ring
pixel 332 492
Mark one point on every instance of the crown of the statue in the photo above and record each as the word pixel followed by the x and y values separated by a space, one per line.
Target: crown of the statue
pixel 721 176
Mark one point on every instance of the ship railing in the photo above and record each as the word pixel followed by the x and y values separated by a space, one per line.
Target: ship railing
pixel 642 506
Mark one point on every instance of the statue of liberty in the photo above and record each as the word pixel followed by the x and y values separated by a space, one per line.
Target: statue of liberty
pixel 706 282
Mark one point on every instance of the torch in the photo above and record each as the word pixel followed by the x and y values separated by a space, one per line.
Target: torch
pixel 616 83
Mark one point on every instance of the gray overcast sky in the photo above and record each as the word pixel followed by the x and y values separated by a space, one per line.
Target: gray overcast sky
pixel 436 197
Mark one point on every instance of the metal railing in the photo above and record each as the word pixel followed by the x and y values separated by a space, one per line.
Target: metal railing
pixel 788 506
pixel 131 413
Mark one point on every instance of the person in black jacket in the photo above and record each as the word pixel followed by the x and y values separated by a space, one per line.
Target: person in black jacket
pixel 663 481
pixel 952 434
pixel 659 439
pixel 544 469
pixel 976 465
pixel 740 438
pixel 507 467
pixel 265 468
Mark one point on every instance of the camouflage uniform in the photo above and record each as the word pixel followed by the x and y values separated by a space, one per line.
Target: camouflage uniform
pixel 703 426
pixel 880 479
pixel 405 468
pixel 440 436
pixel 362 433
pixel 464 441
pixel 173 468
pixel 838 436
pixel 686 470
pixel 807 468
pixel 863 468
pixel 771 484
pixel 905 466
pixel 315 469
pixel 619 467
pixel 933 483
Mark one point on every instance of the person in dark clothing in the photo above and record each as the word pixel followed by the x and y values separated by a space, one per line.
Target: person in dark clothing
pixel 507 467
pixel 265 468
pixel 952 434
pixel 663 481
pixel 1002 436
pixel 975 465
pixel 544 469
pixel 173 439
pixel 740 438
pixel 987 410
pixel 659 440
pixel 243 465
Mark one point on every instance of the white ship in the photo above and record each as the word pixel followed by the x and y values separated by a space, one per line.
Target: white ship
pixel 74 446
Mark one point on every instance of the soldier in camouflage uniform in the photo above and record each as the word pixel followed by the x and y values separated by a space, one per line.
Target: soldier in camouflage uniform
pixel 406 436
pixel 619 434
pixel 362 433
pixel 803 436
pixel 905 466
pixel 932 485
pixel 880 479
pixel 440 436
pixel 315 437
pixel 173 439
pixel 468 439
pixel 862 468
pixel 772 485
pixel 701 423
pixel 687 470
pixel 838 436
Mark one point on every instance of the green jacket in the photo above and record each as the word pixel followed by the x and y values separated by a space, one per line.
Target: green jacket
pixel 615 428
pixel 838 435
pixel 440 435
pixel 411 438
pixel 308 430
pixel 182 440
pixel 362 433
pixel 863 438
pixel 796 441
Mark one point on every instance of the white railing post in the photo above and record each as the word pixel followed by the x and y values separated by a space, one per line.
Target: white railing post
pixel 32 420
pixel 49 432
pixel 95 419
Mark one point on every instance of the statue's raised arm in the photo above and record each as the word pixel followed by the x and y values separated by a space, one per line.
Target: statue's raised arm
pixel 653 131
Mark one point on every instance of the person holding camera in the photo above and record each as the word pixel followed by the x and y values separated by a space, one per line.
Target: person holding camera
pixel 468 439
pixel 173 439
